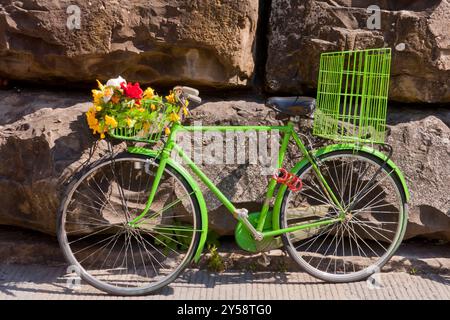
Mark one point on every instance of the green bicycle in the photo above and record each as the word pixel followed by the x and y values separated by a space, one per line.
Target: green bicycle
pixel 132 222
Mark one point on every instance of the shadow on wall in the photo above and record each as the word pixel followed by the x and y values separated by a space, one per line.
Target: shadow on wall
pixel 397 114
pixel 16 104
pixel 412 5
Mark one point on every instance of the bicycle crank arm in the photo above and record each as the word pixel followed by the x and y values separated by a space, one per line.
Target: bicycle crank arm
pixel 242 215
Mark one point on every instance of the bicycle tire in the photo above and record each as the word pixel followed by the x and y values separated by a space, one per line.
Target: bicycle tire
pixel 69 254
pixel 370 269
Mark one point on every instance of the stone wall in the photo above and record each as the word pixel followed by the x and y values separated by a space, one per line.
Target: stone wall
pixel 201 42
pixel 216 45
pixel 301 29
pixel 44 139
pixel 213 43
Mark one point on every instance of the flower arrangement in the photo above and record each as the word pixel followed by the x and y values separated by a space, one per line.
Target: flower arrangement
pixel 121 104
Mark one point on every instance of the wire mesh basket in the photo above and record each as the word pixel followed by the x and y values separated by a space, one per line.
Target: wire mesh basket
pixel 150 131
pixel 352 95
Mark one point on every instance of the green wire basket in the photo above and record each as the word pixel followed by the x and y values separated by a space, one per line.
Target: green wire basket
pixel 151 130
pixel 352 95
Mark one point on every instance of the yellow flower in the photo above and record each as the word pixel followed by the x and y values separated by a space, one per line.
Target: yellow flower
pixel 130 122
pixel 102 136
pixel 146 127
pixel 174 117
pixel 171 97
pixel 141 109
pixel 100 86
pixel 98 129
pixel 95 129
pixel 149 93
pixel 153 107
pixel 167 130
pixel 93 123
pixel 110 121
pixel 98 108
pixel 185 111
pixel 107 94
pixel 91 119
pixel 97 95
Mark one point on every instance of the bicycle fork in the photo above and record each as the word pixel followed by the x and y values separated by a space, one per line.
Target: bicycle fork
pixel 158 175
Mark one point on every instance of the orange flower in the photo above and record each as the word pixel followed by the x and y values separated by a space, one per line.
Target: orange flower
pixel 115 99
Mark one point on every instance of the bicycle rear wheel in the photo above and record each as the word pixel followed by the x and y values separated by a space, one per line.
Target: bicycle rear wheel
pixel 375 222
pixel 117 257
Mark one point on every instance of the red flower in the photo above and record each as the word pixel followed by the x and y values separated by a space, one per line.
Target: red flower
pixel 132 91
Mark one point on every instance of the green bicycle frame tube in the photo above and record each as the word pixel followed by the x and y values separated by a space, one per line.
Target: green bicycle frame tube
pixel 278 232
pixel 273 182
pixel 287 131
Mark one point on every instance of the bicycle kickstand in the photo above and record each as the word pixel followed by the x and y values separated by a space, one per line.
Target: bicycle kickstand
pixel 264 260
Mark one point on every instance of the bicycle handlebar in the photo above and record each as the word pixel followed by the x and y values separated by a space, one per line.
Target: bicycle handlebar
pixel 196 99
pixel 188 93
pixel 191 91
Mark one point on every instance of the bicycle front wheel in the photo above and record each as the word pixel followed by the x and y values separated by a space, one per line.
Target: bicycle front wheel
pixel 374 224
pixel 96 232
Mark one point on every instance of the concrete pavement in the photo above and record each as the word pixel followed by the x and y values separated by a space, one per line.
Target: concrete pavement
pixel 44 282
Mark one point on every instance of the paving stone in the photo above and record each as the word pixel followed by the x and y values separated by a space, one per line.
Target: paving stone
pixel 49 283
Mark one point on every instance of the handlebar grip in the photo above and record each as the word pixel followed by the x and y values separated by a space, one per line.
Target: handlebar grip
pixel 193 98
pixel 190 91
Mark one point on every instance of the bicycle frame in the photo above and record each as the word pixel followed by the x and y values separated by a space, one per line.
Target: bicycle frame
pixel 288 133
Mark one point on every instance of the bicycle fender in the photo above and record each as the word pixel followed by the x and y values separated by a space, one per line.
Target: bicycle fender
pixel 329 149
pixel 195 187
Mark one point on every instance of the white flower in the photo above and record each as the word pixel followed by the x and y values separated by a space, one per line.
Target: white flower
pixel 115 82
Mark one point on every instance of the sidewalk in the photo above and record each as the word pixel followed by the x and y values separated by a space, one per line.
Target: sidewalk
pixel 43 282
pixel 32 267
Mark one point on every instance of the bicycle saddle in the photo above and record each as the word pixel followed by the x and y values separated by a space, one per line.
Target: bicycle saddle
pixel 294 106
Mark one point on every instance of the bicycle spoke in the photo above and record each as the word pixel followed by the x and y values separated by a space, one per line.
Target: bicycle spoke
pixel 361 224
pixel 118 254
pixel 351 245
pixel 90 235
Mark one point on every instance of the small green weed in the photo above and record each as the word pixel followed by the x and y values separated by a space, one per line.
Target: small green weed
pixel 215 262
pixel 413 271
